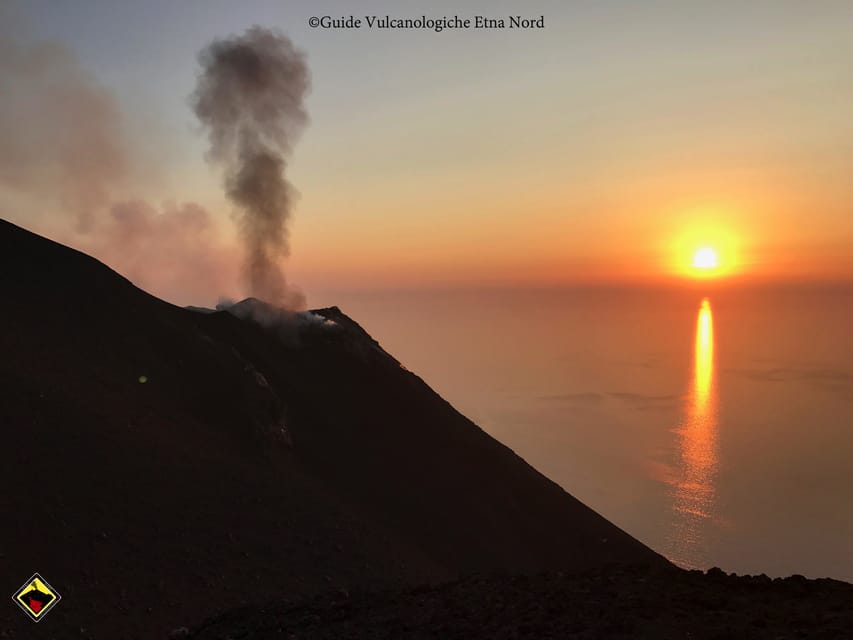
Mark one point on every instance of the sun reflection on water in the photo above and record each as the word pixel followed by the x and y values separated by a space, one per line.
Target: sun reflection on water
pixel 694 490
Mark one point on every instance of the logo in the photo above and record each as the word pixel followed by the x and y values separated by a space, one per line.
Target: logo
pixel 36 597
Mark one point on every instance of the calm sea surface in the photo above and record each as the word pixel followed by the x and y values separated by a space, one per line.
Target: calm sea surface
pixel 715 426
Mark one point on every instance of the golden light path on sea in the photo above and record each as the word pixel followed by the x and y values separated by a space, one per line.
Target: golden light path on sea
pixel 694 482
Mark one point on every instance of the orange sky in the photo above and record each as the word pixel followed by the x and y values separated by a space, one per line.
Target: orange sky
pixel 607 147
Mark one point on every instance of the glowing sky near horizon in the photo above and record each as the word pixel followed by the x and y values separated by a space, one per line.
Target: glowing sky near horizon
pixel 609 146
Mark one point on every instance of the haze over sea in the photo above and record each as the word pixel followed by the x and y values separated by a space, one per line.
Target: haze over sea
pixel 714 425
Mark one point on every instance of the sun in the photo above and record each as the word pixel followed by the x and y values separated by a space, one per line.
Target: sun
pixel 707 247
pixel 706 258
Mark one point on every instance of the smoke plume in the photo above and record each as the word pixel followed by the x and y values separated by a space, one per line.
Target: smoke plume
pixel 249 98
pixel 175 249
pixel 60 131
pixel 68 170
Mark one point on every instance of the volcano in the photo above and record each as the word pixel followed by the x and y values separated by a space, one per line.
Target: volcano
pixel 246 467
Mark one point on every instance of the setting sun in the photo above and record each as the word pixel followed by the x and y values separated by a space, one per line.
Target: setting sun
pixel 708 245
pixel 706 258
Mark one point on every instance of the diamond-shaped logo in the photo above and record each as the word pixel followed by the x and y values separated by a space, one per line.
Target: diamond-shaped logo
pixel 36 597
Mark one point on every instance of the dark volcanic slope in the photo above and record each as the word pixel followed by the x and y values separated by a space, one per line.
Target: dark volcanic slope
pixel 244 468
pixel 379 435
pixel 617 603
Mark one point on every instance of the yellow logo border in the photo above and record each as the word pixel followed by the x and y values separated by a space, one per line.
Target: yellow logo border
pixel 36 617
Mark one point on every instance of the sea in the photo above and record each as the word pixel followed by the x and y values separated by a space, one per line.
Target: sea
pixel 713 424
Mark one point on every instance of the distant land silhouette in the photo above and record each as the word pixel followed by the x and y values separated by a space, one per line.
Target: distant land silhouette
pixel 251 468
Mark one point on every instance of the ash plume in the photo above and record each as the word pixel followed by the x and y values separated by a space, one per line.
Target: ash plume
pixel 70 170
pixel 249 98
pixel 61 144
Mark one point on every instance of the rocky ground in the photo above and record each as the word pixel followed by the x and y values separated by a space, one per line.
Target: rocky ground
pixel 161 465
pixel 618 603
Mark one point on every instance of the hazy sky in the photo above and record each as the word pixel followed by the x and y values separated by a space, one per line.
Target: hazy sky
pixel 606 146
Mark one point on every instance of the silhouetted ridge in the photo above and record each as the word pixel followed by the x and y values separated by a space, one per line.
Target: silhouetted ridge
pixel 195 460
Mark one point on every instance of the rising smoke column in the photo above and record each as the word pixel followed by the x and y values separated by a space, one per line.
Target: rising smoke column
pixel 249 97
pixel 69 170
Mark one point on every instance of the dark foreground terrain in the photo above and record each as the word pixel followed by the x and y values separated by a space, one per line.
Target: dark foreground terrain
pixel 617 603
pixel 161 465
